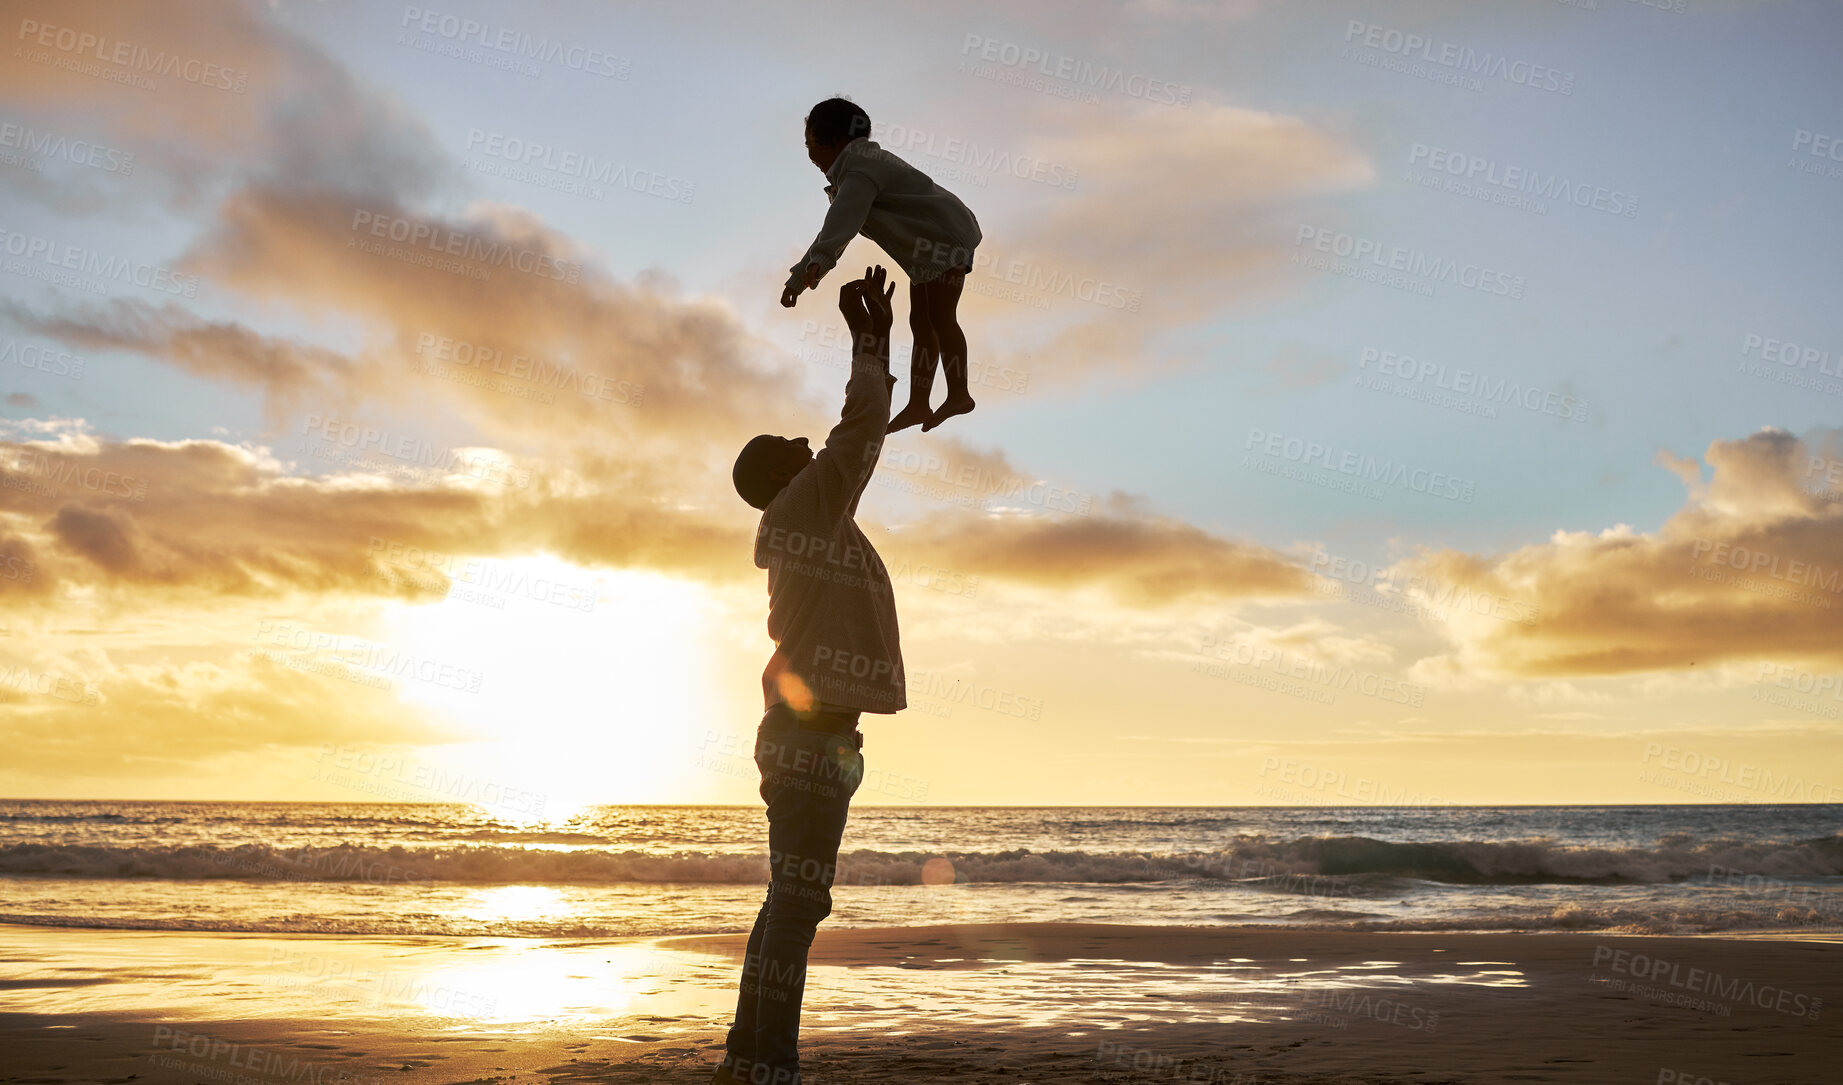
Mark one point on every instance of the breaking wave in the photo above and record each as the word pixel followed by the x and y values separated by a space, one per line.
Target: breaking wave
pixel 1353 864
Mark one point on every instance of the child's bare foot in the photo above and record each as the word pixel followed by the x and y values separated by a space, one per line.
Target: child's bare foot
pixel 956 403
pixel 913 415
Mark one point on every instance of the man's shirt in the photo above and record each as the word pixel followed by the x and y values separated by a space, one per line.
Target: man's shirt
pixel 831 609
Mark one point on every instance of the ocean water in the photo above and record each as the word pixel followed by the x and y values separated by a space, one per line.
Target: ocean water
pixel 452 869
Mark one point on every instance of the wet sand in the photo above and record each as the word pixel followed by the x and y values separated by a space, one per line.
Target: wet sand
pixel 975 1003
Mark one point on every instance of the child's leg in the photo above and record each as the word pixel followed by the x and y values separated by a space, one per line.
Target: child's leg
pixel 922 360
pixel 943 304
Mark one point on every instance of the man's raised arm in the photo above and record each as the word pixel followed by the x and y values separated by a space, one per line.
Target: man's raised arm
pixel 843 467
pixel 871 352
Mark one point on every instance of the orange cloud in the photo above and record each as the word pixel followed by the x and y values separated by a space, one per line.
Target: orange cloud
pixel 1179 214
pixel 101 717
pixel 1750 568
pixel 203 517
pixel 204 92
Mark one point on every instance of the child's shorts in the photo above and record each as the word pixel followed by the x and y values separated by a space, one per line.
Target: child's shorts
pixel 925 271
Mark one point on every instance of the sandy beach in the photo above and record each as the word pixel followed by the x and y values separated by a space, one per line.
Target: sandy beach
pixel 974 1003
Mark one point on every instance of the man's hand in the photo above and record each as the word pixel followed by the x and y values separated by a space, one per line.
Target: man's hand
pixel 789 295
pixel 857 316
pixel 877 301
pixel 867 310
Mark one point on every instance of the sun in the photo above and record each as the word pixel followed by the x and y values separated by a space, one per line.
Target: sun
pixel 572 686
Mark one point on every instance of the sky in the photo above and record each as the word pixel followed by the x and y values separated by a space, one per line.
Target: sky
pixel 1379 404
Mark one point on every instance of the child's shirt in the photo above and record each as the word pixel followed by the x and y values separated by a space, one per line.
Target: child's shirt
pixel 923 227
pixel 831 607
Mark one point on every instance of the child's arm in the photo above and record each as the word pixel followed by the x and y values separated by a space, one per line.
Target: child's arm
pixel 850 207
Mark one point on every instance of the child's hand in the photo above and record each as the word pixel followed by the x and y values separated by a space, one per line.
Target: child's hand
pixel 809 280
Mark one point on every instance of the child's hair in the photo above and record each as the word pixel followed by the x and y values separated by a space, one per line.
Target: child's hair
pixel 837 120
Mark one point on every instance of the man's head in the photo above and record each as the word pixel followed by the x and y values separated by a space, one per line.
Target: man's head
pixel 765 466
pixel 832 124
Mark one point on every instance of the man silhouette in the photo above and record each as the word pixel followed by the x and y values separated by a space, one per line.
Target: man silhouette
pixel 832 616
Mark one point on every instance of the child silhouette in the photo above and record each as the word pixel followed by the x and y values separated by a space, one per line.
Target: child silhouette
pixel 925 229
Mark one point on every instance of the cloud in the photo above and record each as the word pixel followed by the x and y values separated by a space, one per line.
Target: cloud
pixel 1179 214
pixel 1144 562
pixel 232 95
pixel 160 523
pixel 1018 526
pixel 95 716
pixel 1749 569
pixel 1159 216
pixel 109 537
pixel 686 366
pixel 20 574
pixel 287 372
